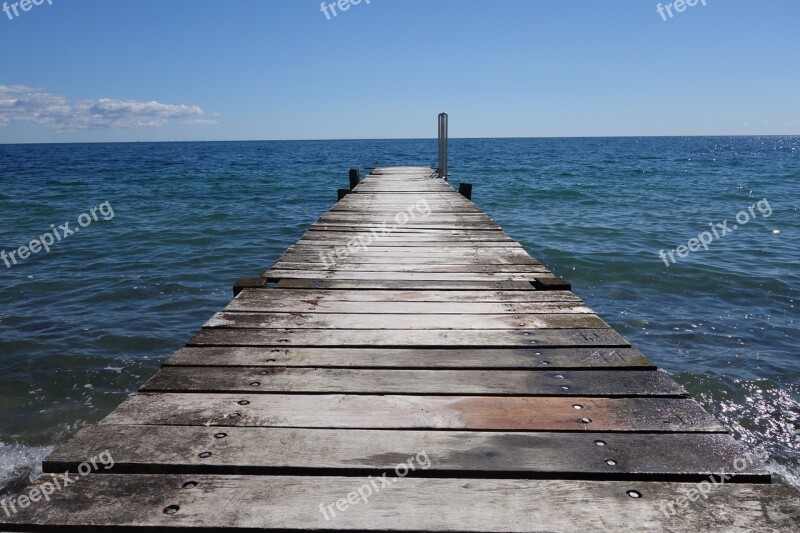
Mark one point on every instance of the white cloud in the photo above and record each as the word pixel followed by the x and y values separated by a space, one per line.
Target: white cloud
pixel 19 103
pixel 200 122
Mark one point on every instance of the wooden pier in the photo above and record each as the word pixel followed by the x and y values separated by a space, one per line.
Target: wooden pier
pixel 406 328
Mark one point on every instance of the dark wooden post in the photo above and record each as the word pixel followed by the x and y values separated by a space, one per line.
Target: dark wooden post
pixel 465 189
pixel 248 283
pixel 341 193
pixel 551 284
pixel 355 178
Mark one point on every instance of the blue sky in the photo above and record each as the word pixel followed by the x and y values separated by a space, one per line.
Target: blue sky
pixel 130 70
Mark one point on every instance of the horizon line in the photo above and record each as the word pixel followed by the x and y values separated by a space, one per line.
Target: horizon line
pixel 343 139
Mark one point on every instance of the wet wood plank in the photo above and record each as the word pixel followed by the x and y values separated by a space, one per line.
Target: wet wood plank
pixel 385 258
pixel 400 307
pixel 420 358
pixel 404 284
pixel 401 297
pixel 378 322
pixel 487 413
pixel 466 505
pixel 332 338
pixel 402 276
pixel 406 243
pixel 530 455
pixel 329 263
pixel 606 383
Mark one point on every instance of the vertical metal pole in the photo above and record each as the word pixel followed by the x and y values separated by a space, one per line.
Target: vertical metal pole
pixel 443 145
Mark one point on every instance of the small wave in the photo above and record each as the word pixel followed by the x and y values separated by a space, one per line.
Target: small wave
pixel 19 465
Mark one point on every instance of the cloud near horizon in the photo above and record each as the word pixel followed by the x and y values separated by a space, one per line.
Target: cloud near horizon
pixel 20 103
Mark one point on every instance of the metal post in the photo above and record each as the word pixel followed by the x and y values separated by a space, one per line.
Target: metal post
pixel 443 145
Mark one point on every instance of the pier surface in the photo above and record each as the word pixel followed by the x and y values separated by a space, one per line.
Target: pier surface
pixel 406 328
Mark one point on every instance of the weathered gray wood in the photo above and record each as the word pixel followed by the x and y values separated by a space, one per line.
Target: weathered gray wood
pixel 317 265
pixel 416 308
pixel 414 237
pixel 508 359
pixel 606 383
pixel 177 449
pixel 360 219
pixel 411 285
pixel 333 338
pixel 358 260
pixel 408 228
pixel 454 249
pixel 110 502
pixel 369 321
pixel 451 297
pixel 387 242
pixel 486 413
pixel 401 276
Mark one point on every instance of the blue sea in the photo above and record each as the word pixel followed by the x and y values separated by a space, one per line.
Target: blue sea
pixel 84 325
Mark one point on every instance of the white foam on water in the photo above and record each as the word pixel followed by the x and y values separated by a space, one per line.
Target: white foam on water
pixel 20 464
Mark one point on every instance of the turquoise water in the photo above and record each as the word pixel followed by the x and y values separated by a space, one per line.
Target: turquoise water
pixel 84 325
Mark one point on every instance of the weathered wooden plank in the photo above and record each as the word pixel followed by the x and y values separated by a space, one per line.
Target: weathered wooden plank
pixel 367 321
pixel 409 231
pixel 462 250
pixel 408 228
pixel 333 264
pixel 401 202
pixel 111 502
pixel 401 276
pixel 605 383
pixel 412 237
pixel 411 285
pixel 358 260
pixel 509 358
pixel 335 218
pixel 510 297
pixel 417 308
pixel 357 222
pixel 354 255
pixel 531 455
pixel 492 413
pixel 387 242
pixel 333 338
pixel 398 227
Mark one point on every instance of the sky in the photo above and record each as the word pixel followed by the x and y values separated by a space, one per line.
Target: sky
pixel 184 70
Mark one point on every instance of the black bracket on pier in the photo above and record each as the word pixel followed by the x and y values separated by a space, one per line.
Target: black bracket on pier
pixel 248 283
pixel 355 178
pixel 551 284
pixel 465 189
